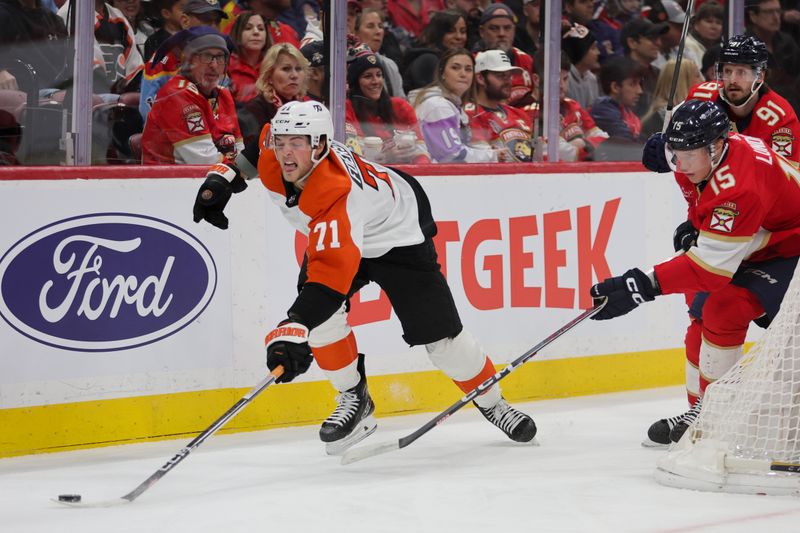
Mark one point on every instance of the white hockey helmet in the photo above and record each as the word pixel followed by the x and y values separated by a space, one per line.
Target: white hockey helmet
pixel 303 118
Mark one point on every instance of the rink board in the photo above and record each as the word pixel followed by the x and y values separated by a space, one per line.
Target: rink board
pixel 125 321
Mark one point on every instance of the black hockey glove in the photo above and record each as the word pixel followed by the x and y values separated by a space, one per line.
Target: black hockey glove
pixel 221 181
pixel 287 345
pixel 624 294
pixel 654 156
pixel 685 236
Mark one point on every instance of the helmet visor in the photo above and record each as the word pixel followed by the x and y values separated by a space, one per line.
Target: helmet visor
pixel 688 161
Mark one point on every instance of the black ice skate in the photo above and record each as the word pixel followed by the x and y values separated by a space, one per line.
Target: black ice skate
pixel 660 433
pixel 516 424
pixel 688 419
pixel 352 421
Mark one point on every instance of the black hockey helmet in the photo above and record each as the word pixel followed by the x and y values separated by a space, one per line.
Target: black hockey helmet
pixel 744 50
pixel 695 124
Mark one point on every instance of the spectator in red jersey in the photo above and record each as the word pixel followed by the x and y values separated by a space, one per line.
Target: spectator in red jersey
pixel 250 36
pixel 170 12
pixel 372 113
pixel 641 40
pixel 439 109
pixel 494 123
pixel 282 79
pixel 579 134
pixel 193 120
pixel 370 31
pixel 497 30
pixel 621 80
pixel 447 30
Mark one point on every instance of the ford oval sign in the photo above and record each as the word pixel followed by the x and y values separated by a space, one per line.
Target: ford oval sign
pixel 104 282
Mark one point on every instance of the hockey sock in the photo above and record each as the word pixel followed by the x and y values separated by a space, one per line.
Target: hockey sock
pixel 338 361
pixel 692 343
pixel 492 395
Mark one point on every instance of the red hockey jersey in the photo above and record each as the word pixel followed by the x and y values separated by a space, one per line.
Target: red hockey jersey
pixel 186 127
pixel 504 127
pixel 577 122
pixel 773 120
pixel 748 210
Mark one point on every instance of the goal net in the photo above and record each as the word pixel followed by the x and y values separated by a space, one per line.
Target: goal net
pixel 747 437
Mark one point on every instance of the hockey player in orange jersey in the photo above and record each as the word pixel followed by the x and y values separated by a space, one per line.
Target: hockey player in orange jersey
pixel 365 222
pixel 744 200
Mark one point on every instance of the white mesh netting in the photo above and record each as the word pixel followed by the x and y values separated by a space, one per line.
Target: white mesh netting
pixel 746 437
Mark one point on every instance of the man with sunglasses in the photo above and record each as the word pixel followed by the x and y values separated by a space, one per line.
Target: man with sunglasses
pixel 744 200
pixel 193 119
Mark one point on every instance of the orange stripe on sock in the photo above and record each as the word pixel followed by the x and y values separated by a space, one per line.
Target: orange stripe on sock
pixel 486 372
pixel 337 355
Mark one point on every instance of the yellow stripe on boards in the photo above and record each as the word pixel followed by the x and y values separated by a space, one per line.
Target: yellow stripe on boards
pixel 91 424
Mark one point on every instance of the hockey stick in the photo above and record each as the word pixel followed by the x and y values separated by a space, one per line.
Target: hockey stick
pixel 678 58
pixel 363 452
pixel 75 500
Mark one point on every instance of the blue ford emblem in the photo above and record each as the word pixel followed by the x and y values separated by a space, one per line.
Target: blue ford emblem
pixel 105 282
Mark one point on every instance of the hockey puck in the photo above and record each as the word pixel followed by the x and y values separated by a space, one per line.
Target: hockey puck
pixel 72 498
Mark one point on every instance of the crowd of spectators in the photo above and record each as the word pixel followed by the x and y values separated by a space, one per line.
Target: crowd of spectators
pixel 193 81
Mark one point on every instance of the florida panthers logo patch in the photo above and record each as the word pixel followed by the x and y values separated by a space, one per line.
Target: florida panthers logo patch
pixel 782 140
pixel 722 219
pixel 518 144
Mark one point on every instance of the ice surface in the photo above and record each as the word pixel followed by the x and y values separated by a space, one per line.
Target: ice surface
pixel 589 474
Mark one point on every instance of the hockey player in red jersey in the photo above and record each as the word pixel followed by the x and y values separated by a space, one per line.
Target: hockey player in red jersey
pixel 744 200
pixel 755 110
pixel 365 222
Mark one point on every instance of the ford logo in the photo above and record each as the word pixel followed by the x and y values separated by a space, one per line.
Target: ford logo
pixel 105 282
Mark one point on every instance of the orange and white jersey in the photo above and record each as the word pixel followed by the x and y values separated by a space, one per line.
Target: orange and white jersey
pixel 749 210
pixel 772 120
pixel 349 208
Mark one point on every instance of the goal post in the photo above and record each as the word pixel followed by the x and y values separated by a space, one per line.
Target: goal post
pixel 747 436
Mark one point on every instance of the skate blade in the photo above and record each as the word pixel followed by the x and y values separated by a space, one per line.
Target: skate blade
pixel 366 427
pixel 647 443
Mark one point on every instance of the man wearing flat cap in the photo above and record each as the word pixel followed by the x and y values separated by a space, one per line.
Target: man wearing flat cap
pixel 193 120
pixel 641 41
pixel 497 29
